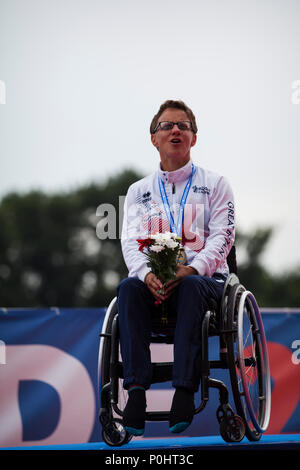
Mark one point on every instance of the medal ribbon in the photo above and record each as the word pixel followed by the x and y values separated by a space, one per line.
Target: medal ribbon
pixel 184 196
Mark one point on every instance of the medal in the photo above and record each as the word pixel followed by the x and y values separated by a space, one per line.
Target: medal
pixel 181 257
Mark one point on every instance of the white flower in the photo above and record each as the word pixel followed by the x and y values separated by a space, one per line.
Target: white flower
pixel 162 237
pixel 167 235
pixel 165 239
pixel 157 248
pixel 172 244
pixel 156 236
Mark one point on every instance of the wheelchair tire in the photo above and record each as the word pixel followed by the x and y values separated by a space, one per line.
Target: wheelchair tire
pixel 115 435
pixel 232 429
pixel 105 345
pixel 248 361
pixel 111 394
pixel 231 280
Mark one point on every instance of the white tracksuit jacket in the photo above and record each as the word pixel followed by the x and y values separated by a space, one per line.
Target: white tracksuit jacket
pixel 208 224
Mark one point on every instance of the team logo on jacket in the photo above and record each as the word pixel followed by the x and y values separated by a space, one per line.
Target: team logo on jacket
pixel 146 196
pixel 201 189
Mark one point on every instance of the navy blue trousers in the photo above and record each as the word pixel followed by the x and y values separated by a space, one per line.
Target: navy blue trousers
pixel 188 302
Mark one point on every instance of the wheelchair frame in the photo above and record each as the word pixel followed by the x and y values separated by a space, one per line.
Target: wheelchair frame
pixel 226 322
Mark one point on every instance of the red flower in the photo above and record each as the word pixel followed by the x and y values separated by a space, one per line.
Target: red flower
pixel 144 243
pixel 157 302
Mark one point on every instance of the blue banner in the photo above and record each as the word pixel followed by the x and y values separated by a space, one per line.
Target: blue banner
pixel 49 373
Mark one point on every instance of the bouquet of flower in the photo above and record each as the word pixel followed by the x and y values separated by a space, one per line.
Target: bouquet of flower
pixel 162 251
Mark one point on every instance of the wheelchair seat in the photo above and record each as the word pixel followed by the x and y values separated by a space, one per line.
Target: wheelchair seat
pixel 165 333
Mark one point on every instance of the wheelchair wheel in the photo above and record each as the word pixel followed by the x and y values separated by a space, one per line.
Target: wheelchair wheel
pixel 111 393
pixel 105 345
pixel 248 361
pixel 231 280
pixel 233 429
pixel 115 435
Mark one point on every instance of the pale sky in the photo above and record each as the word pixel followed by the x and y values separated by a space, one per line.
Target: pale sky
pixel 83 79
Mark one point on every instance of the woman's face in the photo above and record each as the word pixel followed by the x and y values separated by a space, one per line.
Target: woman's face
pixel 174 144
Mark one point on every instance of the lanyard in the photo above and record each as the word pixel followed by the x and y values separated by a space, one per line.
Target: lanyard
pixel 184 196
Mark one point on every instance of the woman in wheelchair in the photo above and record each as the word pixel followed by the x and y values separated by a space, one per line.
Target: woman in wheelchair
pixel 198 205
pixel 206 299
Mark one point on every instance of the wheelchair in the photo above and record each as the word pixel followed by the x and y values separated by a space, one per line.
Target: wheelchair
pixel 243 352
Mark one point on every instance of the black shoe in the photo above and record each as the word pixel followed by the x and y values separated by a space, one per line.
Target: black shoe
pixel 182 410
pixel 135 411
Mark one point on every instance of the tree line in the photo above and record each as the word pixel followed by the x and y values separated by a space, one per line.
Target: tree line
pixel 50 254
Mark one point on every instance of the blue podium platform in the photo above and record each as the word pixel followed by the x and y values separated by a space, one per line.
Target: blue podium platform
pixel 212 443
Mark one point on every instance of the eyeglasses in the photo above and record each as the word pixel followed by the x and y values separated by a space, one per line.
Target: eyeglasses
pixel 168 125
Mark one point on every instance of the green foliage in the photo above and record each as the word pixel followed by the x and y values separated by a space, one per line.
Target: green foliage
pixel 49 251
pixel 164 265
pixel 269 289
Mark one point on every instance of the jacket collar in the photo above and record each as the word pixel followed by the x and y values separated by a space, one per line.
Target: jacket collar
pixel 176 176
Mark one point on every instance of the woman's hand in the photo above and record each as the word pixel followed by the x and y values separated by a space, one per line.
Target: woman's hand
pixel 183 271
pixel 154 285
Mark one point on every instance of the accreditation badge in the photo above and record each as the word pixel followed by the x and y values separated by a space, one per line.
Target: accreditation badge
pixel 181 256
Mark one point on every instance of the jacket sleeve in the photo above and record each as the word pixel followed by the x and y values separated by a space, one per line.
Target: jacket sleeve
pixel 221 231
pixel 135 261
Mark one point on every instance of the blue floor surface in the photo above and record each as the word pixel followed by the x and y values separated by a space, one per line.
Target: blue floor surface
pixel 269 442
